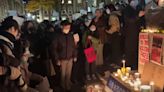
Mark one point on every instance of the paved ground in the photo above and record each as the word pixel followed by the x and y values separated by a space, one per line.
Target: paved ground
pixel 103 73
pixel 79 75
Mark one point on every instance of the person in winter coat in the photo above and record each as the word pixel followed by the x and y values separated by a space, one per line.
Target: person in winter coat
pixel 64 51
pixel 132 30
pixel 29 32
pixel 114 36
pixel 10 75
pixel 98 35
pixel 33 80
pixel 90 68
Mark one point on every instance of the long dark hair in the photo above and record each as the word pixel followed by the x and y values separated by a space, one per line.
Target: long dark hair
pixel 129 12
pixel 8 23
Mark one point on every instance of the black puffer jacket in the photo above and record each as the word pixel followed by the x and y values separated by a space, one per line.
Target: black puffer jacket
pixel 63 47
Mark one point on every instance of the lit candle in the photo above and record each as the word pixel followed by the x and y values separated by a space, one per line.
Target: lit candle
pixel 128 69
pixel 115 74
pixel 118 71
pixel 137 75
pixel 152 86
pixel 123 61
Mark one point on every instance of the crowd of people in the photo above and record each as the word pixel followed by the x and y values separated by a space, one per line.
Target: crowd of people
pixel 32 52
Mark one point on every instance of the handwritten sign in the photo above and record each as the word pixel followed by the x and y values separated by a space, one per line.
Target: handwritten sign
pixel 116 86
pixel 156 75
pixel 143 48
pixel 156 51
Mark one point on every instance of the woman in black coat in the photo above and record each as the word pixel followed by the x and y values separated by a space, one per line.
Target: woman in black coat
pixel 132 30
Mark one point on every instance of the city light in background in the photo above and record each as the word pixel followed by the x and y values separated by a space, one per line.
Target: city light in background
pixel 46 9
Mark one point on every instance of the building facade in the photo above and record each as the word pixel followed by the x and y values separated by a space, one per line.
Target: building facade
pixel 69 7
pixel 11 5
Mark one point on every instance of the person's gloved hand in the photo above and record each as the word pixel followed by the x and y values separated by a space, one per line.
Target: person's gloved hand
pixel 15 73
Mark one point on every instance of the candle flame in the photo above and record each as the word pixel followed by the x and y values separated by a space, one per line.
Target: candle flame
pixel 123 61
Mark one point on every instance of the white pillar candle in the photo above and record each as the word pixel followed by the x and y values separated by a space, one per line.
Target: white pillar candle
pixel 123 61
pixel 152 86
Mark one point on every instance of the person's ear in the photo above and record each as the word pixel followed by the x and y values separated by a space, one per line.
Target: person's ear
pixel 14 31
pixel 11 30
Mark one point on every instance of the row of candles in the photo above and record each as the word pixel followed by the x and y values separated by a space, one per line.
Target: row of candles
pixel 152 30
pixel 133 79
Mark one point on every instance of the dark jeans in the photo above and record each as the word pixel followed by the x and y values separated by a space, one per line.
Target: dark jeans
pixel 90 68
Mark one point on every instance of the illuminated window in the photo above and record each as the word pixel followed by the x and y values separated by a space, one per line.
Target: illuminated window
pixel 79 1
pixel 70 11
pixel 62 1
pixel 69 1
pixel 89 9
pixel 63 11
pixel 95 3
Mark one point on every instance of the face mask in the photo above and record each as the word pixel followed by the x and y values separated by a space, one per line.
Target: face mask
pixel 31 30
pixel 66 31
pixel 108 11
pixel 134 3
pixel 93 28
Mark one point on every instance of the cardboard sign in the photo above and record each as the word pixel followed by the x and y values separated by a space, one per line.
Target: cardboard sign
pixel 12 13
pixel 156 50
pixel 144 49
pixel 163 52
pixel 155 73
pixel 76 16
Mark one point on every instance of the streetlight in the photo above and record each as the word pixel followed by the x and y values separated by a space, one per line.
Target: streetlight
pixel 28 14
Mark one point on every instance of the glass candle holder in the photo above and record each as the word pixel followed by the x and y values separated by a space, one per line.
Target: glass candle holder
pixel 145 88
pixel 137 75
pixel 128 69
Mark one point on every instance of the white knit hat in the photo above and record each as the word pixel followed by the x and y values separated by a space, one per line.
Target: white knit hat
pixel 19 20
